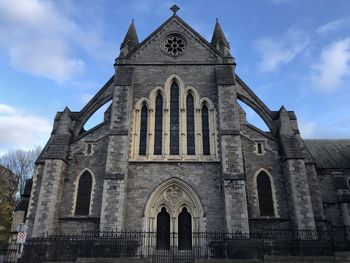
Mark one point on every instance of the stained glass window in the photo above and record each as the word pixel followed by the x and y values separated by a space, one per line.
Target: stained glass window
pixel 205 130
pixel 174 119
pixel 158 128
pixel 265 194
pixel 82 206
pixel 143 131
pixel 190 125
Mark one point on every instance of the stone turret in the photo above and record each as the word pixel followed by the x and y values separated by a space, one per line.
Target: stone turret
pixel 219 40
pixel 131 40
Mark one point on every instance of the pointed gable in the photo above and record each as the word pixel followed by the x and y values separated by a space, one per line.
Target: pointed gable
pixel 197 50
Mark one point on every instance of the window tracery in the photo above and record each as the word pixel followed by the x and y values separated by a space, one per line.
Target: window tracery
pixel 174 45
pixel 180 125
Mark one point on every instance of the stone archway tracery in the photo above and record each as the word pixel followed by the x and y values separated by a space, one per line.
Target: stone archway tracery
pixel 173 195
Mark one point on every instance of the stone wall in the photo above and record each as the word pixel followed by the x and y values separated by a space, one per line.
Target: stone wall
pixel 46 220
pixel 78 225
pixel 200 77
pixel 269 162
pixel 334 192
pixel 34 197
pixel 203 178
pixel 299 194
pixel 315 192
pixel 112 210
pixel 78 162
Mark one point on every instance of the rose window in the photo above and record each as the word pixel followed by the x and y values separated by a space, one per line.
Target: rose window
pixel 174 45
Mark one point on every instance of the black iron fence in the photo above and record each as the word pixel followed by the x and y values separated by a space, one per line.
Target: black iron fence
pixel 176 249
pixel 8 250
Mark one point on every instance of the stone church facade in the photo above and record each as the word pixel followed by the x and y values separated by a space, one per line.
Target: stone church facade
pixel 175 152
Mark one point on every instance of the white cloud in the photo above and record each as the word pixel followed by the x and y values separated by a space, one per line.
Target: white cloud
pixel 19 129
pixel 278 51
pixel 41 37
pixel 49 59
pixel 333 26
pixel 333 66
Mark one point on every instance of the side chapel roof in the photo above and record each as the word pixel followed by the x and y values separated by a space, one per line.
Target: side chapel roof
pixel 332 154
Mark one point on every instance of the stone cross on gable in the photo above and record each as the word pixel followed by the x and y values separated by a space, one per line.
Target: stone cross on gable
pixel 175 8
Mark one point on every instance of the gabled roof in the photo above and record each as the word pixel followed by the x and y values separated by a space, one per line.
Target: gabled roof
pixel 183 23
pixel 331 154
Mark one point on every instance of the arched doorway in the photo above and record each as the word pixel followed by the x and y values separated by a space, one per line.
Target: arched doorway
pixel 174 212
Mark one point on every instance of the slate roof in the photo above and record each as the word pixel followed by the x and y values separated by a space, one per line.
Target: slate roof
pixel 56 148
pixel 330 153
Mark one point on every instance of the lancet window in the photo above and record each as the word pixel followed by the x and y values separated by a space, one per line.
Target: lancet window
pixel 83 198
pixel 143 130
pixel 190 125
pixel 174 119
pixel 266 207
pixel 205 130
pixel 158 126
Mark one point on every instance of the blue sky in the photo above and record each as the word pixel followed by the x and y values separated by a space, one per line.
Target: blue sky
pixel 59 53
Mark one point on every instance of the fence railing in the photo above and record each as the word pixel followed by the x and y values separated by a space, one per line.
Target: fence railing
pixel 8 250
pixel 185 248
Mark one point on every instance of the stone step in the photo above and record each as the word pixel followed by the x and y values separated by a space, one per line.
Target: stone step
pixel 228 261
pixel 112 260
pixel 344 255
pixel 299 259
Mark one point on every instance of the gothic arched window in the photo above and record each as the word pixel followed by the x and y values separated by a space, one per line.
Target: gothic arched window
pixel 174 119
pixel 143 130
pixel 158 128
pixel 163 230
pixel 82 206
pixel 185 230
pixel 265 194
pixel 205 130
pixel 190 125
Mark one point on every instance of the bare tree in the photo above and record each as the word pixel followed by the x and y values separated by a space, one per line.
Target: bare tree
pixel 21 163
pixel 8 186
